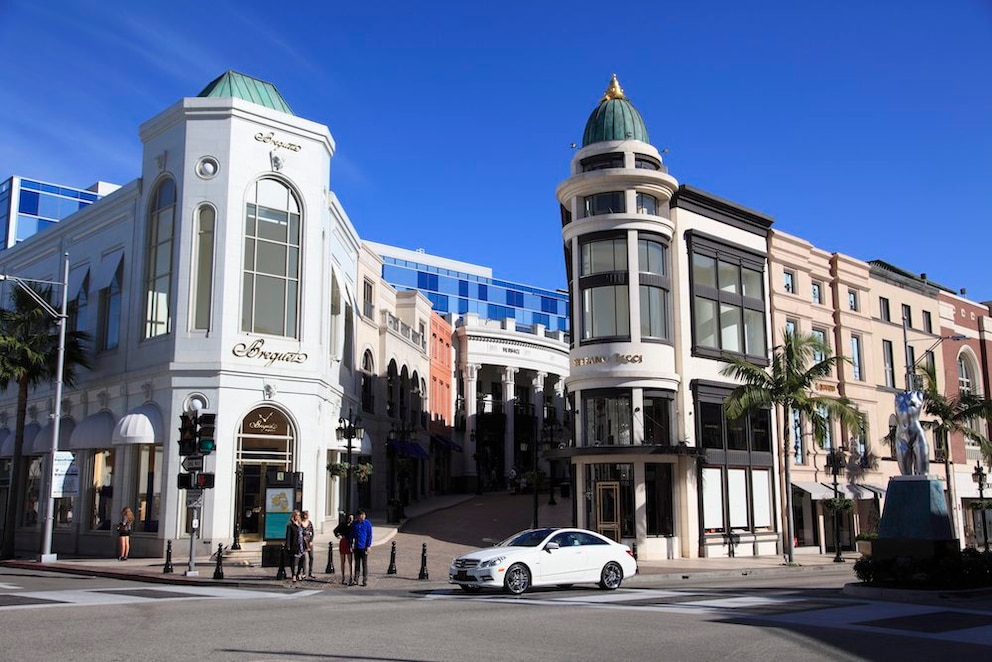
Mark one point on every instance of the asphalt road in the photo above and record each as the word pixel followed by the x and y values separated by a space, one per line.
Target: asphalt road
pixel 59 617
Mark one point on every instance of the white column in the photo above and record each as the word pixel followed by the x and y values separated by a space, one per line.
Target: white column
pixel 509 399
pixel 470 375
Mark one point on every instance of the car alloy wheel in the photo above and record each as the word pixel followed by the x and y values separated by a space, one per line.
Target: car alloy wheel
pixel 611 577
pixel 517 579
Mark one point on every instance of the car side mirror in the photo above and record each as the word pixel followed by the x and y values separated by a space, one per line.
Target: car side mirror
pixel 550 546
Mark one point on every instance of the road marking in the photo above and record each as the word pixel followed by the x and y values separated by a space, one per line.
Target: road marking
pixel 109 596
pixel 9 587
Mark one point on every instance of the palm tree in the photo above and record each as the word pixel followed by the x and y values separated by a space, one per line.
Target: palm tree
pixel 796 366
pixel 952 414
pixel 955 413
pixel 28 357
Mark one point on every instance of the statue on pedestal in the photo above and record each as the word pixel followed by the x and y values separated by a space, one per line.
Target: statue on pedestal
pixel 912 452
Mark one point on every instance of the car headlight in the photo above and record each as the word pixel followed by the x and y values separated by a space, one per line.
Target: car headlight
pixel 492 562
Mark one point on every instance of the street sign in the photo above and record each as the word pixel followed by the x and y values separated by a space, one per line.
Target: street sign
pixel 194 498
pixel 193 463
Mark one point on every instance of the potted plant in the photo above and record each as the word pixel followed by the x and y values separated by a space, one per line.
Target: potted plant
pixel 863 542
pixel 360 471
pixel 838 503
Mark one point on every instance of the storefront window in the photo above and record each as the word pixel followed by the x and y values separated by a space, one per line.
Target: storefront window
pixel 102 490
pixel 608 420
pixel 148 477
pixel 32 492
pixel 67 484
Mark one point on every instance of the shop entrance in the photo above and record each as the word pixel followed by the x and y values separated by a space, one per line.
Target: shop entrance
pixel 265 442
pixel 608 509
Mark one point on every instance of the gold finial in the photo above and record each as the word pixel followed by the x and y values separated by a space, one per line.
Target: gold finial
pixel 613 91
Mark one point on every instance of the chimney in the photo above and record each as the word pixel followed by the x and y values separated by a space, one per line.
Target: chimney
pixel 923 276
pixel 963 291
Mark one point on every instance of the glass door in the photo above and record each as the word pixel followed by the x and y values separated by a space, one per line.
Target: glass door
pixel 608 509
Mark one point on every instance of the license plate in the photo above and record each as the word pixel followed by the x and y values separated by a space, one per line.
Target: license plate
pixel 462 576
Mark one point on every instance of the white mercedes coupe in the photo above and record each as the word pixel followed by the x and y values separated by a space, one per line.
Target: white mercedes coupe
pixel 544 557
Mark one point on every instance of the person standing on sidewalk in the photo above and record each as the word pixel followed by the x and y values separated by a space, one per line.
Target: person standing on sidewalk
pixel 307 525
pixel 124 534
pixel 343 531
pixel 361 540
pixel 295 545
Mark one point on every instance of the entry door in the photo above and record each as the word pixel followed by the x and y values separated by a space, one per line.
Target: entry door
pixel 608 509
pixel 251 502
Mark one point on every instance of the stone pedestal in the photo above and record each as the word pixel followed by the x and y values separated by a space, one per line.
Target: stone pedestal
pixel 915 523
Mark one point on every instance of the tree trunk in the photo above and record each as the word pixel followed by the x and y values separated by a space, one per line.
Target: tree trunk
pixel 16 472
pixel 790 533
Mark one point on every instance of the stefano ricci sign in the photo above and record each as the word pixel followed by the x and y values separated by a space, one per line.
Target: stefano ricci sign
pixel 615 359
pixel 257 350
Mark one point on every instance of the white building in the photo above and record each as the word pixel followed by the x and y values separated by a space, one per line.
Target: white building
pixel 192 280
pixel 663 280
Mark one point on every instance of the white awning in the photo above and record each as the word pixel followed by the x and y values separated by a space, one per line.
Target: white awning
pixel 6 443
pixel 141 425
pixel 107 269
pixel 41 444
pixel 856 490
pixel 76 278
pixel 816 491
pixel 94 431
pixel 363 447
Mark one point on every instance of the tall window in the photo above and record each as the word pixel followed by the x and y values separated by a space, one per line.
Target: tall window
pixel 608 419
pixel 647 204
pixel 728 301
pixel 158 260
pixel 658 418
pixel 799 452
pixel 368 298
pixel 790 327
pixel 883 309
pixel 927 321
pixel 109 333
pixel 789 281
pixel 826 440
pixel 856 358
pixel 368 383
pixel 817 291
pixel 820 335
pixel 203 267
pixel 603 282
pixel 611 202
pixel 79 313
pixel 852 300
pixel 655 287
pixel 888 358
pixel 966 382
pixel 148 487
pixel 907 315
pixel 270 300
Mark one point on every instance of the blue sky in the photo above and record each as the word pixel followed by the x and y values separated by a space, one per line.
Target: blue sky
pixel 864 127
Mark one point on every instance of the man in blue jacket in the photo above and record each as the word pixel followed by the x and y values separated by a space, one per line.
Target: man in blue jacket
pixel 361 540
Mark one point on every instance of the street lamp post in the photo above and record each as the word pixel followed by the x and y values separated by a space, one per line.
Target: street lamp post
pixel 836 462
pixel 61 317
pixel 348 430
pixel 979 477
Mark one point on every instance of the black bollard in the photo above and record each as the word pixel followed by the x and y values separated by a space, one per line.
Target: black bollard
pixel 167 570
pixel 633 550
pixel 423 563
pixel 219 568
pixel 281 573
pixel 330 559
pixel 236 545
pixel 391 570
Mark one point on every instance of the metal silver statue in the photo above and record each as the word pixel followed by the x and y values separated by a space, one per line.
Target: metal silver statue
pixel 912 452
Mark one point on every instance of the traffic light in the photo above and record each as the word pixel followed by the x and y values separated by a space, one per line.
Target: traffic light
pixel 187 434
pixel 206 427
pixel 195 481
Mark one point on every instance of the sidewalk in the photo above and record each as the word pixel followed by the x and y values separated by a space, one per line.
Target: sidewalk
pixel 448 525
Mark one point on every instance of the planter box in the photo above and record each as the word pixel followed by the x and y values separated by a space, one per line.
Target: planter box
pixel 863 547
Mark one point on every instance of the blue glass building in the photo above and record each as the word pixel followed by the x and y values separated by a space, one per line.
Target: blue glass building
pixel 28 206
pixel 459 288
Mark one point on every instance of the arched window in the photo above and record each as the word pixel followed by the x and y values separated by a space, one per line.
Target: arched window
pixel 368 382
pixel 203 267
pixel 158 260
pixel 270 299
pixel 966 382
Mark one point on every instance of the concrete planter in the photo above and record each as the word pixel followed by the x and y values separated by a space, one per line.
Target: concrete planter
pixel 863 547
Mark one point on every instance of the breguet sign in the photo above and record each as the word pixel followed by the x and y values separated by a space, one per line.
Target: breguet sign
pixel 256 351
pixel 617 359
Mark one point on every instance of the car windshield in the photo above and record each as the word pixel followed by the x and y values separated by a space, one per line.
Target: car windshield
pixel 530 538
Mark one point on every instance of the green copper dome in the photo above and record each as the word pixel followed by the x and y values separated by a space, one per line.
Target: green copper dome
pixel 615 118
pixel 246 88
